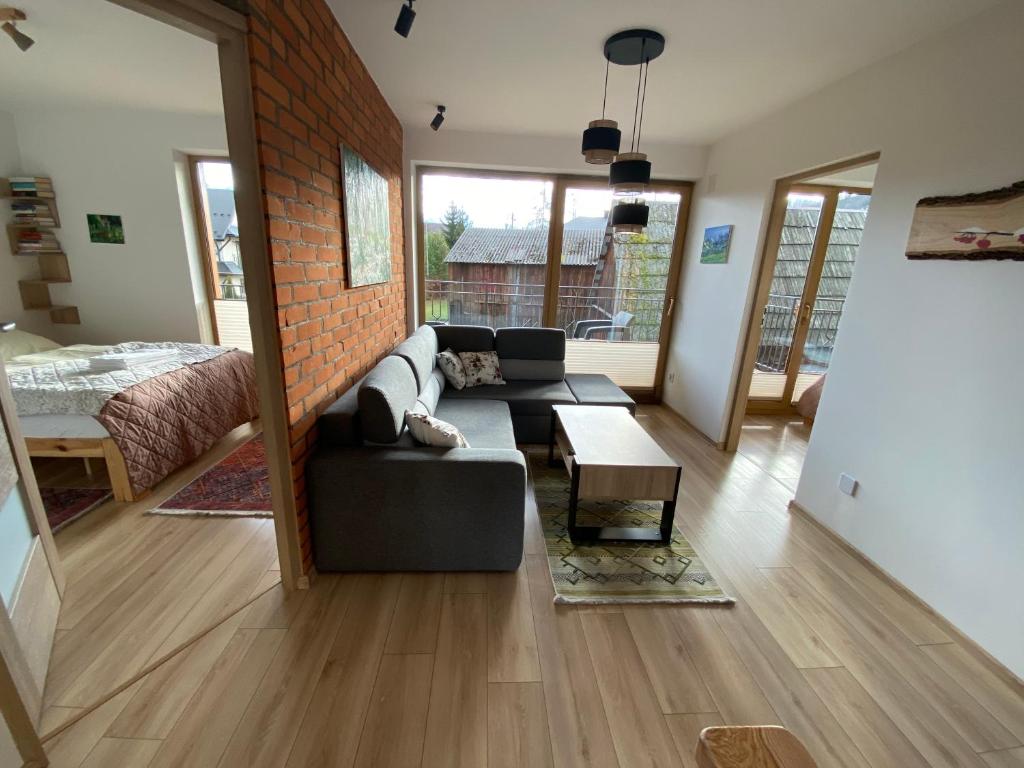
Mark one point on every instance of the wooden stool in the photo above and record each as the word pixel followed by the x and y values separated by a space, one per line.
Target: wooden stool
pixel 765 746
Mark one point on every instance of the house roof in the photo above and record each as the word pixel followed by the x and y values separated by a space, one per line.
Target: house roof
pixel 795 252
pixel 222 213
pixel 228 268
pixel 480 245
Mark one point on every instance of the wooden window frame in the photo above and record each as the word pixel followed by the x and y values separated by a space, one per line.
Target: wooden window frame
pixel 201 213
pixel 561 182
pixel 765 268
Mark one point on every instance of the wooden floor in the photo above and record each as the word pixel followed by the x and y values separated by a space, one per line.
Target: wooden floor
pixel 484 670
pixel 139 586
pixel 770 386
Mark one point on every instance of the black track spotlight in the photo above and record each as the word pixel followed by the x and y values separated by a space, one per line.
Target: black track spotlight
pixel 438 118
pixel 406 17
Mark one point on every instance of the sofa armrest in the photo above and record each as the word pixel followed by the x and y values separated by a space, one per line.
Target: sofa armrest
pixel 429 509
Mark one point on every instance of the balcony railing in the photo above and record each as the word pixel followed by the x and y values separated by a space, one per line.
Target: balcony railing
pixel 779 325
pixel 626 314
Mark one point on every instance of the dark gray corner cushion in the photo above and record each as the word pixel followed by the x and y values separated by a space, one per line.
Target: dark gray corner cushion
pixel 419 352
pixel 530 343
pixel 387 392
pixel 465 338
pixel 513 369
pixel 431 393
pixel 598 389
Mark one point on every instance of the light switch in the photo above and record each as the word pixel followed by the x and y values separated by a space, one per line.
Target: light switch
pixel 847 484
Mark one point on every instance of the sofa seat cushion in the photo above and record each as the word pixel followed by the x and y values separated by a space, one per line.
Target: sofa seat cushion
pixel 484 423
pixel 598 389
pixel 523 397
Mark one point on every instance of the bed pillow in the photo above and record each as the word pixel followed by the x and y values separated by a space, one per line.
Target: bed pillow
pixel 15 343
pixel 427 430
pixel 452 368
pixel 481 368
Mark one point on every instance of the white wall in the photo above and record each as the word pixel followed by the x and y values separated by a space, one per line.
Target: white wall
pixel 118 161
pixel 923 401
pixel 517 152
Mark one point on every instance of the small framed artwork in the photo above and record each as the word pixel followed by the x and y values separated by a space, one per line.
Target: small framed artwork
pixel 715 249
pixel 981 226
pixel 105 228
pixel 367 221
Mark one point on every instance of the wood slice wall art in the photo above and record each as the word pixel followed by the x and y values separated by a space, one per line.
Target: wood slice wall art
pixel 976 227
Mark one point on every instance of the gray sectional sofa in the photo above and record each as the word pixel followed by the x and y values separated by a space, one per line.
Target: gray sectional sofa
pixel 380 502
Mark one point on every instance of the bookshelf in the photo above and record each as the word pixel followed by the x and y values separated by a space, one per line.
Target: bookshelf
pixel 50 257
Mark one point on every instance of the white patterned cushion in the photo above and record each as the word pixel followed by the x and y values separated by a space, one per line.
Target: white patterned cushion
pixel 481 368
pixel 451 367
pixel 427 430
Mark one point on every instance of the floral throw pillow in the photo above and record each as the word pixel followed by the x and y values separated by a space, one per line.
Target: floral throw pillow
pixel 481 368
pixel 451 367
pixel 427 430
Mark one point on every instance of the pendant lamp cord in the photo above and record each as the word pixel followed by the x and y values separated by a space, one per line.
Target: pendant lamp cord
pixel 643 102
pixel 604 104
pixel 636 109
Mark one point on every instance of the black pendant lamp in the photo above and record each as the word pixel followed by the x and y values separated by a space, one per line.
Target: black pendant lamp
pixel 630 216
pixel 602 137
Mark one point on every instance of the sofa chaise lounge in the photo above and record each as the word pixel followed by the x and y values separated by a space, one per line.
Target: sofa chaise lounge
pixel 378 501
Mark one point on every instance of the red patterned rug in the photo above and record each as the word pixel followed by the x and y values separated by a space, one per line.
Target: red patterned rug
pixel 63 505
pixel 237 486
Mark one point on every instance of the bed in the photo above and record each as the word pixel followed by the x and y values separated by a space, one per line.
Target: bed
pixel 145 421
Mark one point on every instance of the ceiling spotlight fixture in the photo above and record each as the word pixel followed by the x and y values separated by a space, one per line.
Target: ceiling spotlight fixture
pixel 438 118
pixel 406 17
pixel 9 16
pixel 602 137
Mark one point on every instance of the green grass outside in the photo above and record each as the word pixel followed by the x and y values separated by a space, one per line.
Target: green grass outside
pixel 437 309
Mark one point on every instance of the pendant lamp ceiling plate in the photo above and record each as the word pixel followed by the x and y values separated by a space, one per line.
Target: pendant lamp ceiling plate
pixel 634 46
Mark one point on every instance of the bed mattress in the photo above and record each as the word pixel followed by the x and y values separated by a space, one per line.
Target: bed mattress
pixel 61 425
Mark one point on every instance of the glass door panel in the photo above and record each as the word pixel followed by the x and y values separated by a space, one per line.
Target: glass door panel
pixel 830 297
pixel 782 313
pixel 485 249
pixel 612 287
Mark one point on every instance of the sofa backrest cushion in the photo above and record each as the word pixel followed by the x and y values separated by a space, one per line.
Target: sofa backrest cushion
pixel 531 354
pixel 339 424
pixel 419 351
pixel 386 393
pixel 431 393
pixel 465 338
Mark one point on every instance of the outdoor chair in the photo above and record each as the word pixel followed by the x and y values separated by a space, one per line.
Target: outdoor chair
pixel 615 328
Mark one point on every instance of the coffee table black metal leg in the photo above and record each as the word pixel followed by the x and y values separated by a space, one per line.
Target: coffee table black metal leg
pixel 574 499
pixel 551 440
pixel 668 511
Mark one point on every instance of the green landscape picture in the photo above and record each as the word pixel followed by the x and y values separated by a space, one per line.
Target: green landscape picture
pixel 367 223
pixel 105 228
pixel 716 245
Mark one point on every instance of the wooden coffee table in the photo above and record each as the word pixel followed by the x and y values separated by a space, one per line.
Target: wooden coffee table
pixel 610 456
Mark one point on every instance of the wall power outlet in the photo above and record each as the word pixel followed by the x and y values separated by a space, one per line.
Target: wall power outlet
pixel 848 484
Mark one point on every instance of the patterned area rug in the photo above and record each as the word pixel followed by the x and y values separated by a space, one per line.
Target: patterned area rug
pixel 237 486
pixel 612 572
pixel 64 505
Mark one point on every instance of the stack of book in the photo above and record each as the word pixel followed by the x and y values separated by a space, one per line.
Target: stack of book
pixel 38 214
pixel 37 241
pixel 31 186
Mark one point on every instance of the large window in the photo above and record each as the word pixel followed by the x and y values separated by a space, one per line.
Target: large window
pixel 485 251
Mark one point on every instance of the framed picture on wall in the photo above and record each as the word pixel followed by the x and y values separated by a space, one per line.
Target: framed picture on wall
pixel 105 228
pixel 715 249
pixel 980 226
pixel 367 221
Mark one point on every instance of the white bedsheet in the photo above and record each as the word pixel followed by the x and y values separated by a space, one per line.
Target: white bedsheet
pixel 61 425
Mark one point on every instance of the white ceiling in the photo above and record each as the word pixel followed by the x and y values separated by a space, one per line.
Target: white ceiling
pixel 92 52
pixel 535 66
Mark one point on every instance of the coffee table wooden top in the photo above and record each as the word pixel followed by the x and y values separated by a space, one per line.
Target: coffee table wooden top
pixel 609 436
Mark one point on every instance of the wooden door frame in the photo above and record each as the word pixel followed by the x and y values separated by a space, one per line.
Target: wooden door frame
pixel 765 267
pixel 561 182
pixel 212 21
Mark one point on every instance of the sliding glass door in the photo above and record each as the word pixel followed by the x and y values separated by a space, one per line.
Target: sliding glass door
pixel 523 250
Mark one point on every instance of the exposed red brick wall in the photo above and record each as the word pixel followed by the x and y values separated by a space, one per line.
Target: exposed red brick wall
pixel 312 93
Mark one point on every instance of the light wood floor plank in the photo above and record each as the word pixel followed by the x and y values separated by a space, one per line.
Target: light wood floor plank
pixel 1007 758
pixel 417 613
pixel 675 680
pixel 397 721
pixel 517 726
pixel 739 699
pixel 580 736
pixel 265 735
pixel 124 753
pixel 639 732
pixel 1003 700
pixel 511 639
pixel 876 736
pixel 276 608
pixel 457 719
pixel 71 746
pixel 685 730
pixel 200 736
pixel 934 737
pixel 329 734
pixel 465 583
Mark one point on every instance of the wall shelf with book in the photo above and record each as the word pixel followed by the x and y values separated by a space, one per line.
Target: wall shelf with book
pixel 30 234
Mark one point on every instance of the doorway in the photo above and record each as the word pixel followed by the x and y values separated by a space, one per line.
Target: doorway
pixel 810 252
